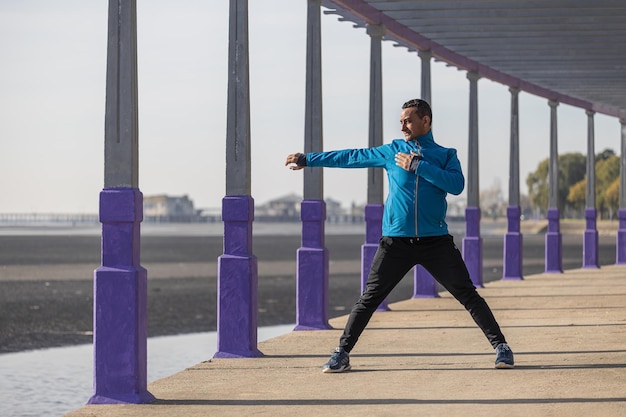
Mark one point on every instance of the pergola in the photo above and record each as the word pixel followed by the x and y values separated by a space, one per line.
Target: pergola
pixel 571 51
pixel 565 51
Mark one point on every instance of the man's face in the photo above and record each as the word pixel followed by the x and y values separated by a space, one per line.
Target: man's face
pixel 412 125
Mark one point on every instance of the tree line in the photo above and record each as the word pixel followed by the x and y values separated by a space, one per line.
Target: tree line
pixel 572 184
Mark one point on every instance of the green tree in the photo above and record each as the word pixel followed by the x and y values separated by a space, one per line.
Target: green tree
pixel 572 170
pixel 577 196
pixel 607 171
pixel 572 167
pixel 611 197
pixel 573 183
pixel 537 183
pixel 605 154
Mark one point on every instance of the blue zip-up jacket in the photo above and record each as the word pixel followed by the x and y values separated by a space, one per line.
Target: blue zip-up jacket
pixel 437 173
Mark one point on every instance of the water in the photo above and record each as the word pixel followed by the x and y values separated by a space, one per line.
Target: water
pixel 52 382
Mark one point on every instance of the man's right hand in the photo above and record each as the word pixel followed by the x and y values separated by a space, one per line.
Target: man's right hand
pixel 292 161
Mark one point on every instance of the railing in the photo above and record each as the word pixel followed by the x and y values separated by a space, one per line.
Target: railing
pixel 16 219
pixel 73 219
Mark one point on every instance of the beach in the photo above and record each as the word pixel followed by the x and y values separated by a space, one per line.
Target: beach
pixel 46 276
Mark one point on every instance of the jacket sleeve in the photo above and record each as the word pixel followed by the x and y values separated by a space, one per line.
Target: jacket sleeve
pixel 351 158
pixel 449 178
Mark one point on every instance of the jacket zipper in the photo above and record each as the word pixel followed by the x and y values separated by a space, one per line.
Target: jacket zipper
pixel 419 152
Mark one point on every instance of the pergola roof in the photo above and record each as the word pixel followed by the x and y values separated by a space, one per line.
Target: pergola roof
pixel 571 51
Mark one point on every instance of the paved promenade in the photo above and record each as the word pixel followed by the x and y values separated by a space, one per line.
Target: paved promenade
pixel 427 358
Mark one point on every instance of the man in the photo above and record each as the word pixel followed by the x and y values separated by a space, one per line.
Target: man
pixel 420 173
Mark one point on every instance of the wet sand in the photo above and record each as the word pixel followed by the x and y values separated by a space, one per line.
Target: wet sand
pixel 46 282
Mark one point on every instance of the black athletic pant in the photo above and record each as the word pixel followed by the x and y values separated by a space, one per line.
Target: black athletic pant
pixel 439 256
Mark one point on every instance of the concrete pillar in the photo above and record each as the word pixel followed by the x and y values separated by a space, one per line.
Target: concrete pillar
pixel 513 239
pixel 312 256
pixel 425 57
pixel 472 242
pixel 553 256
pixel 375 192
pixel 120 283
pixel 590 239
pixel 237 274
pixel 621 213
pixel 424 285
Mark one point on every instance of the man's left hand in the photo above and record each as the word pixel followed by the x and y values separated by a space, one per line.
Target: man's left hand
pixel 403 160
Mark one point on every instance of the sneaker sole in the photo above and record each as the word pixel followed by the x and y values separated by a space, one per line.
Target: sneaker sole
pixel 502 365
pixel 335 371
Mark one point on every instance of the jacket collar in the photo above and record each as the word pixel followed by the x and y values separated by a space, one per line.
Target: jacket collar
pixel 425 139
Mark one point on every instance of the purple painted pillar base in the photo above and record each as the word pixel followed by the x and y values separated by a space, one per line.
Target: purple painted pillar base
pixel 424 285
pixel 312 269
pixel 620 244
pixel 473 246
pixel 513 246
pixel 120 303
pixel 590 241
pixel 373 232
pixel 553 243
pixel 237 282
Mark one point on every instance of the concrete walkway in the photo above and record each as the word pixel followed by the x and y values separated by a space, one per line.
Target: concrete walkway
pixel 426 357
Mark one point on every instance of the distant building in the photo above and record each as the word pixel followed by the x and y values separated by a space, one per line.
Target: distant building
pixel 210 214
pixel 169 209
pixel 164 208
pixel 337 214
pixel 287 209
pixel 357 210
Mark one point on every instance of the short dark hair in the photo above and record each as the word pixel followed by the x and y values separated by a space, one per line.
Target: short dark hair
pixel 422 106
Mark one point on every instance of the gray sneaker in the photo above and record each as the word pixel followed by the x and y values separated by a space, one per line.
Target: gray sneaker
pixel 338 362
pixel 504 357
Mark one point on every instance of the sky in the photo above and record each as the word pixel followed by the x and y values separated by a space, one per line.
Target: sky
pixel 52 103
